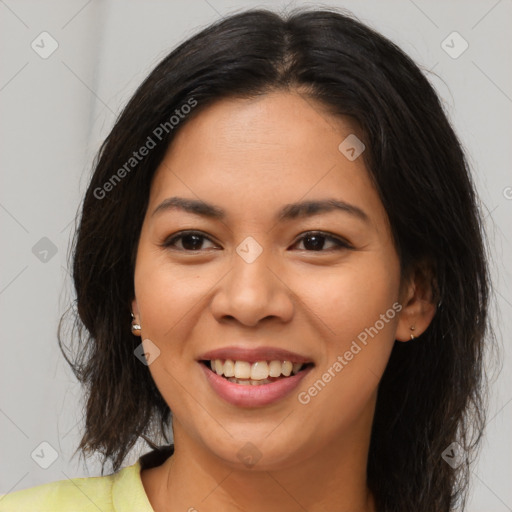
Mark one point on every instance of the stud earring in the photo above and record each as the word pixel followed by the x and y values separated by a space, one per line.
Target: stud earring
pixel 135 326
pixel 412 328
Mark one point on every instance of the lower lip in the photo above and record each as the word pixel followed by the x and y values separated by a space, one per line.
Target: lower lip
pixel 253 395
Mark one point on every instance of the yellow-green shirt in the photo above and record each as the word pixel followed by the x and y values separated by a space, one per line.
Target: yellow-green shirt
pixel 120 492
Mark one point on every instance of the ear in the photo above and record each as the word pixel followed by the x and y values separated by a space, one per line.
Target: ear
pixel 418 304
pixel 135 310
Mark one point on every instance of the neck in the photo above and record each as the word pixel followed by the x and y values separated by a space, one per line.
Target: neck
pixel 332 478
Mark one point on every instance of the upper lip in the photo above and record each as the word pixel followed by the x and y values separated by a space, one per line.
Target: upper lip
pixel 252 355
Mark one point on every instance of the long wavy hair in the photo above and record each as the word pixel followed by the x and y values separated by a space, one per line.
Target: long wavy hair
pixel 432 393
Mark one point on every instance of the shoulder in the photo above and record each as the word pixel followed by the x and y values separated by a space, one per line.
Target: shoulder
pixel 82 494
pixel 77 494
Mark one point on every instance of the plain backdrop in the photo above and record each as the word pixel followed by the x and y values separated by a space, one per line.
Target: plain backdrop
pixel 55 110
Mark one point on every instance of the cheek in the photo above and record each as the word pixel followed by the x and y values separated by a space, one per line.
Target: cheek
pixel 359 312
pixel 352 298
pixel 168 299
pixel 166 294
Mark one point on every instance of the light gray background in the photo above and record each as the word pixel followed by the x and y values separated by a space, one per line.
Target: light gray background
pixel 55 112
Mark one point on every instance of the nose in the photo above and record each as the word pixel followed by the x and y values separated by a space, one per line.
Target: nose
pixel 252 292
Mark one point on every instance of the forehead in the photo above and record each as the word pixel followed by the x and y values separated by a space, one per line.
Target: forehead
pixel 253 155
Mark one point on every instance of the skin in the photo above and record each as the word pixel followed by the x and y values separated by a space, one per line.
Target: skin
pixel 251 157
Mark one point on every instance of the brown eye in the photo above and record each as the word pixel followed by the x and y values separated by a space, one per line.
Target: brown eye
pixel 315 241
pixel 190 241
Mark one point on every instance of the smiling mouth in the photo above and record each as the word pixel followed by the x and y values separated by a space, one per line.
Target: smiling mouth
pixel 254 374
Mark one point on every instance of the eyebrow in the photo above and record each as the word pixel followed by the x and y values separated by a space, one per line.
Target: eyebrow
pixel 288 212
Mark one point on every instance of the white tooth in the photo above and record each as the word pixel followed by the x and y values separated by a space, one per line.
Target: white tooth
pixel 242 370
pixel 218 366
pixel 275 368
pixel 296 367
pixel 212 364
pixel 243 382
pixel 259 370
pixel 286 369
pixel 229 368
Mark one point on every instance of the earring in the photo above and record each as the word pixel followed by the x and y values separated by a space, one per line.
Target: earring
pixel 135 326
pixel 412 328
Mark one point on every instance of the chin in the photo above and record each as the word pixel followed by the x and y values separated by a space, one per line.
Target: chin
pixel 259 451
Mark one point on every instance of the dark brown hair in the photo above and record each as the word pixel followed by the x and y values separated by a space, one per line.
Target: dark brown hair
pixel 431 393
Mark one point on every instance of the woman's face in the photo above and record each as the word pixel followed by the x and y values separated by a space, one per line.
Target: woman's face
pixel 264 281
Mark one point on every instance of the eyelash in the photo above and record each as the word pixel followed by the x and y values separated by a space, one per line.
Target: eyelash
pixel 341 244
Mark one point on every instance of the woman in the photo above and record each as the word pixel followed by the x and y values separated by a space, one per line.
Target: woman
pixel 280 244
